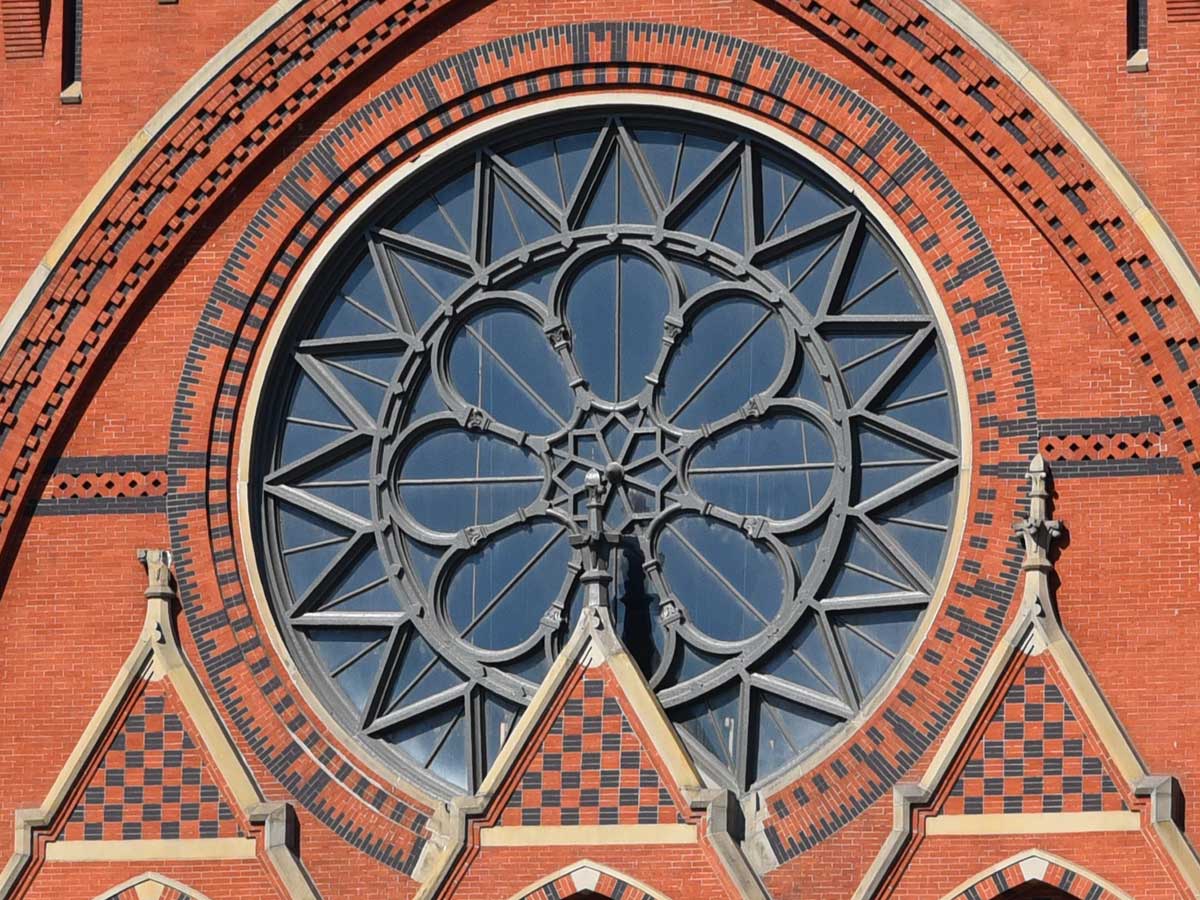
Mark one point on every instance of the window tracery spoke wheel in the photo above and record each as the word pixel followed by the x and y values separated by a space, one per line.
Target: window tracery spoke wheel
pixel 695 312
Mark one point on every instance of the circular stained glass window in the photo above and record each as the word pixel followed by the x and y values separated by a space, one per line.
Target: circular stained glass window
pixel 693 312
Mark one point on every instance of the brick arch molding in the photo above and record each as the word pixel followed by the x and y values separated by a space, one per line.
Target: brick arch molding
pixel 1037 867
pixel 104 273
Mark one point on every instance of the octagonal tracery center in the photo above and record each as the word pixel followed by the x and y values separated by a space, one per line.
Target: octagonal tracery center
pixel 692 311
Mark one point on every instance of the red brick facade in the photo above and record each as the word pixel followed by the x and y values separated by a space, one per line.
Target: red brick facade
pixel 136 329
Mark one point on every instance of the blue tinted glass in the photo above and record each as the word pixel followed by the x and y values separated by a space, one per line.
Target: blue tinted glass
pixel 873 639
pixel 713 722
pixel 804 659
pixel 452 478
pixel 863 358
pixel 360 308
pixel 501 361
pixel 920 397
pixel 805 270
pixel 779 467
pixel 615 307
pixel 344 482
pixel 732 350
pixel 352 657
pixel 364 588
pixel 731 586
pixel 919 522
pixel 500 591
pixel 515 221
pixel 865 569
pixel 885 461
pixel 421 673
pixel 785 731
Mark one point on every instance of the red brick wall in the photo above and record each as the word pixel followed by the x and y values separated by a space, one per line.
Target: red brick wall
pixel 71 602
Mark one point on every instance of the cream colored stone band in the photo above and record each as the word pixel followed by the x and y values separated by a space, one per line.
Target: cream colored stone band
pixel 111 851
pixel 592 835
pixel 1034 823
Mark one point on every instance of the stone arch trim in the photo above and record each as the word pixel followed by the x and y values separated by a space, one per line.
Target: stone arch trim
pixel 835 123
pixel 170 888
pixel 1037 866
pixel 587 875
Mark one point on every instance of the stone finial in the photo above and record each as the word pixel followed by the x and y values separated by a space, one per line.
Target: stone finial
pixel 1038 533
pixel 158 573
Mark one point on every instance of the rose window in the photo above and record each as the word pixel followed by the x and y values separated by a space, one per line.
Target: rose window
pixel 694 314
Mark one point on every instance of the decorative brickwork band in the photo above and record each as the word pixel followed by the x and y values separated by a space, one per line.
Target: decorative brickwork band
pixel 592 769
pixel 153 782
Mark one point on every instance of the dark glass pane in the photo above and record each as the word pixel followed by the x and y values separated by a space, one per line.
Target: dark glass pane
pixel 779 467
pixel 920 397
pixel 718 215
pixel 352 657
pixel 873 639
pixel 733 349
pixel 451 478
pixel 313 421
pixel 421 673
pixel 499 716
pixel 919 522
pixel 713 722
pixel 499 592
pixel 344 481
pixel 864 357
pixel 805 270
pixel 309 543
pixel 803 658
pixel 786 731
pixel 615 307
pixel 789 200
pixel 515 221
pixel 501 361
pixel 364 588
pixel 731 586
pixel 425 739
pixel 885 461
pixel 876 286
pixel 537 163
pixel 424 285
pixel 365 376
pixel 863 569
pixel 361 307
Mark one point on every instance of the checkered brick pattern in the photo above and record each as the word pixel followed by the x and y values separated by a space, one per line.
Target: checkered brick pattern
pixel 1035 757
pixel 168 893
pixel 606 886
pixel 154 782
pixel 1066 880
pixel 592 768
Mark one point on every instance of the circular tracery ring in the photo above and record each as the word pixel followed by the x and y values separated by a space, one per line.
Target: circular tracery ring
pixel 693 312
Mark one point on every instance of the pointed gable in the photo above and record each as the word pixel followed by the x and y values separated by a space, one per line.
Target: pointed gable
pixel 1035 754
pixel 154 780
pixel 592 766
